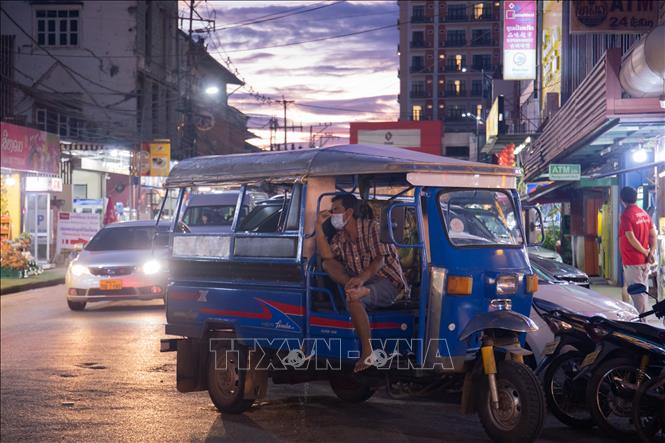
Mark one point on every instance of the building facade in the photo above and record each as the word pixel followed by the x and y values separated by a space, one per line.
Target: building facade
pixel 449 54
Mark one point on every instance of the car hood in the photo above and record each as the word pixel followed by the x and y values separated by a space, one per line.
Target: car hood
pixel 585 301
pixel 118 258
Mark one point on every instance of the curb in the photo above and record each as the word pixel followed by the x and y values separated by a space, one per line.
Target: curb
pixel 29 286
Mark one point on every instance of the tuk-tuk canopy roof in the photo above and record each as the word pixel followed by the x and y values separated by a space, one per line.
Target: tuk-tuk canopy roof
pixel 342 160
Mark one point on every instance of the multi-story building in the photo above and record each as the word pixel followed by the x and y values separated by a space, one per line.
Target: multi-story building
pixel 449 53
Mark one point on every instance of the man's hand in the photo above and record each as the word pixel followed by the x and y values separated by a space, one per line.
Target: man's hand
pixel 356 294
pixel 323 216
pixel 355 282
pixel 651 257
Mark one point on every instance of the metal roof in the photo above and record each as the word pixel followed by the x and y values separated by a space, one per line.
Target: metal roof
pixel 342 160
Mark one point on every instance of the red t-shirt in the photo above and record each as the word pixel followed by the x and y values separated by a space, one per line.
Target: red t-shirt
pixel 637 220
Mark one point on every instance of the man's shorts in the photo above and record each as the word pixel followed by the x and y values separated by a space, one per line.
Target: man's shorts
pixel 637 274
pixel 382 293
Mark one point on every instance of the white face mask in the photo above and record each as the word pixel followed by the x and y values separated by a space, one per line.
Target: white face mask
pixel 337 221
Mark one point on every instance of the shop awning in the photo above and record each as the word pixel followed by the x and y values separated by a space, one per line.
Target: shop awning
pixel 595 124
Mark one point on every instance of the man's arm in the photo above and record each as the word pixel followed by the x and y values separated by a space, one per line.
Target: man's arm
pixel 369 272
pixel 324 249
pixel 636 244
pixel 653 237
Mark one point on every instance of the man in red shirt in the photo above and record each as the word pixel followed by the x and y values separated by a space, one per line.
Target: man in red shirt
pixel 637 238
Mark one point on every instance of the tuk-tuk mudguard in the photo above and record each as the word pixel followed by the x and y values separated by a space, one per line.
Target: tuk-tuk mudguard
pixel 506 320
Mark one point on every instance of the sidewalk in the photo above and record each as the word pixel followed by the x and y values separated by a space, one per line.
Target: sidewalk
pixel 50 277
pixel 615 292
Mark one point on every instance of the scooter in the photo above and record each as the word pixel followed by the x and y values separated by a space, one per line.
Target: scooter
pixel 563 384
pixel 627 356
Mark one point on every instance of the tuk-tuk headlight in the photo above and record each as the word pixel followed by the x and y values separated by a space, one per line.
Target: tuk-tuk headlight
pixel 506 284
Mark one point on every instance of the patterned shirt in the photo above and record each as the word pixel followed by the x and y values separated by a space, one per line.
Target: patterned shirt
pixel 356 255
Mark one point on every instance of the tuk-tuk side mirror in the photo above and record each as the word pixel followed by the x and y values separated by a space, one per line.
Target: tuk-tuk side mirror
pixel 533 225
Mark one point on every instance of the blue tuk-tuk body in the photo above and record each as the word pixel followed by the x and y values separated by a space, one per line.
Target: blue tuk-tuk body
pixel 267 290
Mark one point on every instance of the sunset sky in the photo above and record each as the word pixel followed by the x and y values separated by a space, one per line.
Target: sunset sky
pixel 336 80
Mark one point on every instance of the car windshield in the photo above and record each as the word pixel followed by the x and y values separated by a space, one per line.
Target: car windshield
pixel 123 238
pixel 218 215
pixel 543 275
pixel 481 217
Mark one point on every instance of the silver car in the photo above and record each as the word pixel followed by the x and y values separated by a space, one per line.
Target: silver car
pixel 123 261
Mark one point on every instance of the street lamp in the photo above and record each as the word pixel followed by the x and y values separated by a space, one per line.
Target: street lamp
pixel 212 90
pixel 478 122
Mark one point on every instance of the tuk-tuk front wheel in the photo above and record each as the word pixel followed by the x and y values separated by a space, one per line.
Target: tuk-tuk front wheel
pixel 521 411
pixel 351 388
pixel 226 381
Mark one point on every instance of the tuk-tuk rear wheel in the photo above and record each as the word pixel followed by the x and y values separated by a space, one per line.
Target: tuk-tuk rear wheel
pixel 226 381
pixel 351 388
pixel 521 411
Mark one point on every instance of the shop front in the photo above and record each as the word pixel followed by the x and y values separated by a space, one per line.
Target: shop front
pixel 30 165
pixel 609 141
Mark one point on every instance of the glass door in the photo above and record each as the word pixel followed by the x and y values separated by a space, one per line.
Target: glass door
pixel 38 224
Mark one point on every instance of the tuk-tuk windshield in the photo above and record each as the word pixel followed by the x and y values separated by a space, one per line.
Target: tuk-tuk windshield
pixel 480 218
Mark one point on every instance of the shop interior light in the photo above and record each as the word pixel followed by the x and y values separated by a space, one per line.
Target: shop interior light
pixel 10 181
pixel 640 156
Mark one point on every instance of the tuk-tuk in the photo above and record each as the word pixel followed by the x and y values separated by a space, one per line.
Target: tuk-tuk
pixel 253 303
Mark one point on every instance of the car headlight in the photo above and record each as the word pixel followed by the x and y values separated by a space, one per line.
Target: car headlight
pixel 78 270
pixel 151 267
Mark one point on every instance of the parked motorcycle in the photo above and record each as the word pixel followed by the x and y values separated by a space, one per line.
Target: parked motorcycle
pixel 563 383
pixel 627 356
pixel 649 410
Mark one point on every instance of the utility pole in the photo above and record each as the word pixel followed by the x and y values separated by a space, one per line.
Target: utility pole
pixel 285 103
pixel 189 134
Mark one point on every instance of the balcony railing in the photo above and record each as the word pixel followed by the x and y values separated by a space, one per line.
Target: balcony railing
pixel 420 19
pixel 455 93
pixel 485 16
pixel 420 44
pixel 452 68
pixel 476 92
pixel 455 43
pixel 421 69
pixel 457 17
pixel 486 68
pixel 454 118
pixel 419 94
pixel 482 42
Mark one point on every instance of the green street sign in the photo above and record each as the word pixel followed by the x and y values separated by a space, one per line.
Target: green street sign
pixel 563 172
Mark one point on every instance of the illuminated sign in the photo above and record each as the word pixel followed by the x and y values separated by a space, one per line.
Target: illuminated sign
pixel 494 124
pixel 613 16
pixel 519 40
pixel 402 138
pixel 551 51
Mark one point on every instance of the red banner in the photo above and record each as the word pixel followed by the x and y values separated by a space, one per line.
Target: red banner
pixel 27 149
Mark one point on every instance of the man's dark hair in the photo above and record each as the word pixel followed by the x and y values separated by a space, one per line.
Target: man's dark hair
pixel 628 195
pixel 360 208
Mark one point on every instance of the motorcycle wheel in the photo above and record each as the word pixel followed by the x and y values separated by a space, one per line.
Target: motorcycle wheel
pixel 519 417
pixel 226 381
pixel 649 411
pixel 565 397
pixel 610 397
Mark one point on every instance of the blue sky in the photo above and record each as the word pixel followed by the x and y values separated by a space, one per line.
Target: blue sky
pixel 337 80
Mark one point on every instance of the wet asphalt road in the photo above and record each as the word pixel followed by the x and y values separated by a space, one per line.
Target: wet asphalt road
pixel 98 375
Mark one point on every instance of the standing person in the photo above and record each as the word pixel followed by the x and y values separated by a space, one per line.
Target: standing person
pixel 356 258
pixel 637 239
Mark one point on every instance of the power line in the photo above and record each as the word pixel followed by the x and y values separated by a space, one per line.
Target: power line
pixel 321 39
pixel 288 14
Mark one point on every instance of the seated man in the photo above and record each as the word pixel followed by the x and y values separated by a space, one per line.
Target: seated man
pixel 355 258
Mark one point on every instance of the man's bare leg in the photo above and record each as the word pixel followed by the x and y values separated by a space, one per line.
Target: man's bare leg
pixel 625 296
pixel 360 322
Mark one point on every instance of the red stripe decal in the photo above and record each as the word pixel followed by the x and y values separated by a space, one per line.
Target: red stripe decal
pixel 264 315
pixel 328 322
pixel 285 308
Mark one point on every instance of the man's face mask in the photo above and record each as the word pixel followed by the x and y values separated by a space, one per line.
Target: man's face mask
pixel 338 221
